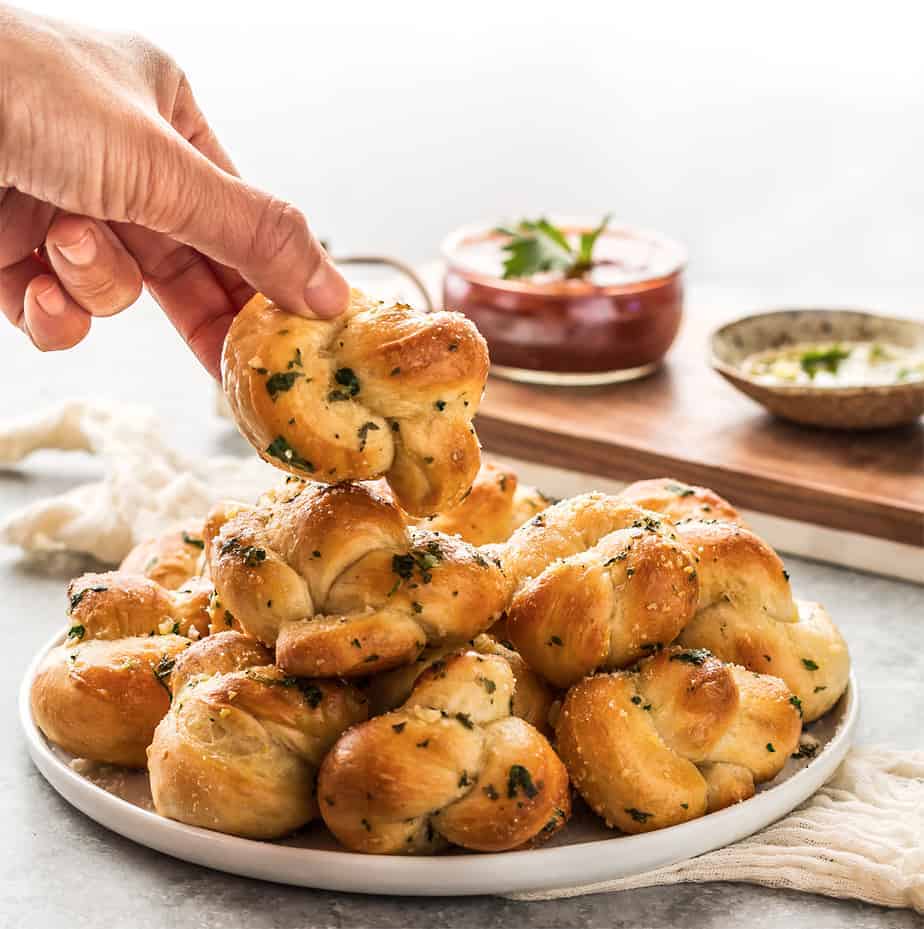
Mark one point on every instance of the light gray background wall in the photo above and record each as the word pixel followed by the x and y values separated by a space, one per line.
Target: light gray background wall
pixel 783 142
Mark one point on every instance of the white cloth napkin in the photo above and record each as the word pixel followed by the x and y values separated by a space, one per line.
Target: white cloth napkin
pixel 859 837
pixel 147 486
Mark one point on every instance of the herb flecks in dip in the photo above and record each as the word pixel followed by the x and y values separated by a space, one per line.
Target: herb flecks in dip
pixel 836 364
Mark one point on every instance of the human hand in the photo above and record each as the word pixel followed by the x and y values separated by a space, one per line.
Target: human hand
pixel 110 176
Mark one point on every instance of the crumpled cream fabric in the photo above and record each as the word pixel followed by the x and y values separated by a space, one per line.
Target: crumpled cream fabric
pixel 860 837
pixel 146 489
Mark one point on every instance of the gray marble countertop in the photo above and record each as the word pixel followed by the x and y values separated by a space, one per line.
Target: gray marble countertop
pixel 61 869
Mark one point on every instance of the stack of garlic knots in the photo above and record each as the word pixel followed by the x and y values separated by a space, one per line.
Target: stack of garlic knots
pixel 414 647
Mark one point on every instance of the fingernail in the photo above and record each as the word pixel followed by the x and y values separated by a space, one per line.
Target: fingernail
pixel 51 299
pixel 327 293
pixel 82 252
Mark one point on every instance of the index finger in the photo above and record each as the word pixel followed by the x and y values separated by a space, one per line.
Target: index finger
pixel 198 298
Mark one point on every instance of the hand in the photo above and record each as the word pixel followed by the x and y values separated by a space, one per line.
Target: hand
pixel 110 176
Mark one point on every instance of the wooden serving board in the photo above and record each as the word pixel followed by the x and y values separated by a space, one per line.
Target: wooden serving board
pixel 686 422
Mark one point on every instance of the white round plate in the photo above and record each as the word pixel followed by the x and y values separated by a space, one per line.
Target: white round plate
pixel 584 852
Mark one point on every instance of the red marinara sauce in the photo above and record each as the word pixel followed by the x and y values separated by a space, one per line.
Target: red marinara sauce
pixel 616 324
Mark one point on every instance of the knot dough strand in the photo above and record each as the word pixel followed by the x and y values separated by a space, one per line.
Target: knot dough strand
pixel 678 500
pixel 101 693
pixel 497 504
pixel 116 604
pixel 532 697
pixel 239 750
pixel 334 578
pixel 586 599
pixel 170 559
pixel 452 765
pixel 570 526
pixel 598 583
pixel 378 391
pixel 684 735
pixel 102 698
pixel 746 612
pixel 747 615
pixel 630 594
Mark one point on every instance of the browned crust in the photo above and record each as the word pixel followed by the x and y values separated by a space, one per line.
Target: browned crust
pixel 409 385
pixel 102 699
pixel 678 500
pixel 645 748
pixel 115 604
pixel 606 607
pixel 333 578
pixel 496 505
pixel 451 764
pixel 239 750
pixel 170 559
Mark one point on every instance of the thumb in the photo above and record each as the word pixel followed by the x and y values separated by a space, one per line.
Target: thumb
pixel 265 239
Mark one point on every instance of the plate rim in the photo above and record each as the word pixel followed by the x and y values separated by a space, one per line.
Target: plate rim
pixel 558 867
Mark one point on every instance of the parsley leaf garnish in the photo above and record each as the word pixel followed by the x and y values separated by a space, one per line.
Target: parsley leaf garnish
pixel 538 245
pixel 520 778
pixel 251 554
pixel 280 448
pixel 423 559
pixel 311 692
pixel 586 248
pixel 77 597
pixel 817 360
pixel 640 816
pixel 347 380
pixel 695 656
pixel 487 683
pixel 162 671
pixel 281 382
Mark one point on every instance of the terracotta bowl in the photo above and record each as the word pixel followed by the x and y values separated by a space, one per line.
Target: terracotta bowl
pixel 831 407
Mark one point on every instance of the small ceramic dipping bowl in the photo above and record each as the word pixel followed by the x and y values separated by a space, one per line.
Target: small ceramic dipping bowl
pixel 834 407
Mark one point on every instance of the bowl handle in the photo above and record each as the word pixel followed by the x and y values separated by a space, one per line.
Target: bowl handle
pixel 403 268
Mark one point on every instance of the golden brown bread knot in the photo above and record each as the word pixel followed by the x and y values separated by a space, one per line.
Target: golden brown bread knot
pixel 631 590
pixel 333 576
pixel 377 391
pixel 612 595
pixel 683 735
pixel 532 697
pixel 678 500
pixel 566 528
pixel 746 614
pixel 450 765
pixel 115 604
pixel 101 699
pixel 240 748
pixel 170 559
pixel 496 506
pixel 220 653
